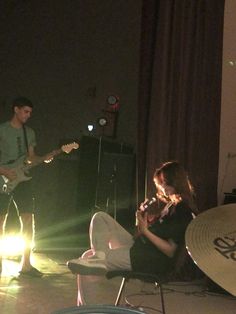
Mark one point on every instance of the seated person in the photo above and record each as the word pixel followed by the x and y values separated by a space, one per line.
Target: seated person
pixel 154 248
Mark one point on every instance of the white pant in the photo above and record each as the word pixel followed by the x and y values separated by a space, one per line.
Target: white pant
pixel 107 235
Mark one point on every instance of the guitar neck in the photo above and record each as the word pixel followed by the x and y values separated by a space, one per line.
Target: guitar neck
pixel 40 159
pixel 64 149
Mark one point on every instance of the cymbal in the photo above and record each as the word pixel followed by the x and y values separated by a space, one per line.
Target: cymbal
pixel 211 242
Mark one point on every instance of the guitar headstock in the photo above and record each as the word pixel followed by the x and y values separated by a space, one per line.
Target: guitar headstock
pixel 69 147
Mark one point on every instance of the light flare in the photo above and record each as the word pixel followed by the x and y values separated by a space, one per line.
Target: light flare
pixel 13 245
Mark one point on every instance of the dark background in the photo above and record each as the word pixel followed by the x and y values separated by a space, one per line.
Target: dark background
pixel 165 67
pixel 67 57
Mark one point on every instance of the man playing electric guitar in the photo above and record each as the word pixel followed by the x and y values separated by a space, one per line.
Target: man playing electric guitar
pixel 18 141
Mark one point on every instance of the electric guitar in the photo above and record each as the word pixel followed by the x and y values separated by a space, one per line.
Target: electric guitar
pixel 21 168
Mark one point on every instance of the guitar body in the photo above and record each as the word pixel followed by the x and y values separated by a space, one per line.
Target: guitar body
pixel 21 168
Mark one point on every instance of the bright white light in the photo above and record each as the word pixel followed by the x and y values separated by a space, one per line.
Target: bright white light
pixel 12 245
pixel 232 63
pixel 90 127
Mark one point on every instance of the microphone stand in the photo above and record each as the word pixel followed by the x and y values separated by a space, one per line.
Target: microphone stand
pixel 113 181
pixel 96 207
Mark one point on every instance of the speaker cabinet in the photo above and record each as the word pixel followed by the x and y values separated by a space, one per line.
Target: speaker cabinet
pixel 230 198
pixel 105 177
pixel 115 181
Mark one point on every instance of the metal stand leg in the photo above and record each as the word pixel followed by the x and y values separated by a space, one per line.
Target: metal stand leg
pixel 122 286
pixel 162 299
pixel 96 207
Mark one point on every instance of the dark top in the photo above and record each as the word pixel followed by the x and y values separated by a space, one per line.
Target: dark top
pixel 145 256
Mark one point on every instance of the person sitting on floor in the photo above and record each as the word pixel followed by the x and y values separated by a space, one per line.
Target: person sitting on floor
pixel 155 247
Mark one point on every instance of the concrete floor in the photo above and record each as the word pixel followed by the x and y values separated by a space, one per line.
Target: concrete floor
pixel 57 290
pixel 180 297
pixel 25 295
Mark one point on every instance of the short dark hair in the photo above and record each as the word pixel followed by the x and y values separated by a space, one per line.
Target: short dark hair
pixel 21 102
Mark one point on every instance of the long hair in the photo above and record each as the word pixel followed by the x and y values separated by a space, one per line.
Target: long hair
pixel 173 174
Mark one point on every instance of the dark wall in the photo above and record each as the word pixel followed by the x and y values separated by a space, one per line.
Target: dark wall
pixel 68 56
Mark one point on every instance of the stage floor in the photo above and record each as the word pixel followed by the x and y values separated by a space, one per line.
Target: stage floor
pixel 57 289
pixel 27 295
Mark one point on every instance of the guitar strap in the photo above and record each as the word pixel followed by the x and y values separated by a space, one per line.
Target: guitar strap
pixel 26 140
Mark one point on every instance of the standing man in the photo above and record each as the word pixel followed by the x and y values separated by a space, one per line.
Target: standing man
pixel 17 142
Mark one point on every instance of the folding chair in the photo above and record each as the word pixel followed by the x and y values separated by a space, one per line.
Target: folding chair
pixel 183 270
pixel 145 277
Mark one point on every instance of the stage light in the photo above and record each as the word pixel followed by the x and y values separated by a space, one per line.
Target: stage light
pixel 90 127
pixel 112 100
pixel 13 245
pixel 102 121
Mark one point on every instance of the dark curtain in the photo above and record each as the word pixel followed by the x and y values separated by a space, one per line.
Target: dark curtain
pixel 180 92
